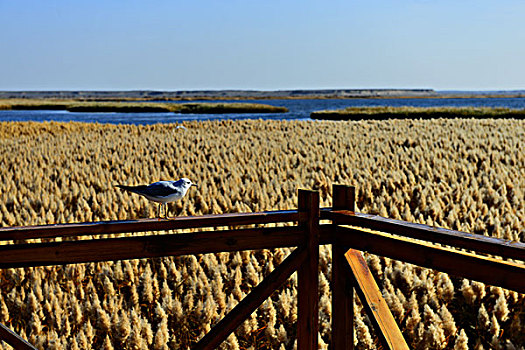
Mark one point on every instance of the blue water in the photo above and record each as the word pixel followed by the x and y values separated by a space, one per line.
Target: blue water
pixel 298 109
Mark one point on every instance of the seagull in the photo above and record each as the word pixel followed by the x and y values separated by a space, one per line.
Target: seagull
pixel 162 192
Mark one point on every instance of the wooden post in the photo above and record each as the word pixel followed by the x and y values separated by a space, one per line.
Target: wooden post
pixel 342 286
pixel 343 197
pixel 308 275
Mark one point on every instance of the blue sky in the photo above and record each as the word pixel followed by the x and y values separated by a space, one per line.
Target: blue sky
pixel 266 45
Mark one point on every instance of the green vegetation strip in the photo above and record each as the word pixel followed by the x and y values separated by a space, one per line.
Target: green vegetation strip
pixel 137 107
pixel 380 113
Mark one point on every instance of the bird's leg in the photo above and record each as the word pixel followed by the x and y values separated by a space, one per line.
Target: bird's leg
pixel 166 210
pixel 158 210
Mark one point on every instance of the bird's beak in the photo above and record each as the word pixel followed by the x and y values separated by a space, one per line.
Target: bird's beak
pixel 194 185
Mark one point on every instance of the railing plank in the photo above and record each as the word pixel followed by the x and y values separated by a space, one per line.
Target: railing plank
pixel 13 339
pixel 253 300
pixel 467 265
pixel 151 246
pixel 308 275
pixel 373 302
pixel 458 239
pixel 143 225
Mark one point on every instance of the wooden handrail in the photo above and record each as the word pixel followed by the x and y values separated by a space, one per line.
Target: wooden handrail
pixel 457 239
pixel 484 269
pixel 150 246
pixel 144 225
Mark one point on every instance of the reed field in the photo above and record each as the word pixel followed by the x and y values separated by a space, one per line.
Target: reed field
pixel 464 174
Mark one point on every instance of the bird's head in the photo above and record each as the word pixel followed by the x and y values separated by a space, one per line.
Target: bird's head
pixel 186 183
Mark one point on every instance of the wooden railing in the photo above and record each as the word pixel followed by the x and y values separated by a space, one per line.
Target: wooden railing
pixel 347 231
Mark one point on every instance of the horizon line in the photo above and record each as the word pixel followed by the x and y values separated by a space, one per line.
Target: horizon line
pixel 268 90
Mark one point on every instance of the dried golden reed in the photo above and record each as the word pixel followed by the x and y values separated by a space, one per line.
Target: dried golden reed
pixel 463 174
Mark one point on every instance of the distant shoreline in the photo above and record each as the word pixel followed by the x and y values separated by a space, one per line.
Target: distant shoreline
pixel 79 105
pixel 384 113
pixel 191 95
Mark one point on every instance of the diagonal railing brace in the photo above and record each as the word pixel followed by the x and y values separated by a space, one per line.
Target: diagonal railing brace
pixel 13 339
pixel 252 301
pixel 373 302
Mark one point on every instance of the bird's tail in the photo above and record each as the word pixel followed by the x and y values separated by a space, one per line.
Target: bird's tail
pixel 134 189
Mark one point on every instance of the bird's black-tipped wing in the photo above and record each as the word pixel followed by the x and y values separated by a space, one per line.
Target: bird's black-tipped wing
pixel 157 189
pixel 135 189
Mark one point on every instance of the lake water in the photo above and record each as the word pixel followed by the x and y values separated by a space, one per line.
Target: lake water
pixel 298 109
